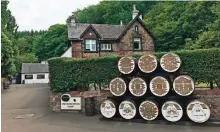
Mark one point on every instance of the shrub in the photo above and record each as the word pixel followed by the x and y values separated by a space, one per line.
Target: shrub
pixel 68 73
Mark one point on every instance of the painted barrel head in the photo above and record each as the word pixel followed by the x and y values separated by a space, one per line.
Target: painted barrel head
pixel 159 86
pixel 172 111
pixel 170 62
pixel 108 109
pixel 127 109
pixel 183 85
pixel 148 110
pixel 147 63
pixel 198 111
pixel 137 86
pixel 126 64
pixel 117 86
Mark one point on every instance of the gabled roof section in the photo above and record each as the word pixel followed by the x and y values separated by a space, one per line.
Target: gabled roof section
pixel 131 23
pixel 90 26
pixel 106 31
pixel 30 68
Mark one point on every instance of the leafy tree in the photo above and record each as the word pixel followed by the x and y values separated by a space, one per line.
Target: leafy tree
pixel 52 43
pixel 26 58
pixel 7 65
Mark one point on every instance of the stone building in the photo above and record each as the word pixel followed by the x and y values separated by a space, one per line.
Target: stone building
pixel 94 40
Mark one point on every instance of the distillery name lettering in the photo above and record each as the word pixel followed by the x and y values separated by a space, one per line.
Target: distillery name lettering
pixel 70 103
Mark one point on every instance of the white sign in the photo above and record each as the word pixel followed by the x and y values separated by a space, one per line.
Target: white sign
pixel 127 109
pixel 108 109
pixel 70 103
pixel 198 111
pixel 172 111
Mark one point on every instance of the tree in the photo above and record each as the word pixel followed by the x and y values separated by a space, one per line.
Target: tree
pixel 52 43
pixel 7 66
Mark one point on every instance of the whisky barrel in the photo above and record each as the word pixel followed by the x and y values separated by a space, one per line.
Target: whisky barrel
pixel 108 108
pixel 137 86
pixel 117 86
pixel 170 62
pixel 198 111
pixel 159 86
pixel 126 64
pixel 172 111
pixel 127 109
pixel 183 85
pixel 148 110
pixel 147 63
pixel 90 106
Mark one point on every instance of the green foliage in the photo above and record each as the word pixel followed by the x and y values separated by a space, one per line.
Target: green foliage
pixel 68 73
pixel 25 58
pixel 52 43
pixel 7 65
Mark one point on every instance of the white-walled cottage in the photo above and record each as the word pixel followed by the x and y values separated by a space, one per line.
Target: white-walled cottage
pixel 34 73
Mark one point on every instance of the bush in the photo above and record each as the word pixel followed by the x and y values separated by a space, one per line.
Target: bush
pixel 68 73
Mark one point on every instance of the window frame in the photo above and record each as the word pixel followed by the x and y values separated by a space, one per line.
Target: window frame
pixel 96 45
pixel 40 75
pixel 107 50
pixel 28 75
pixel 140 44
pixel 136 27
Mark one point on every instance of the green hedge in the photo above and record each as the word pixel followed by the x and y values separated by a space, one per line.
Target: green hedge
pixel 68 73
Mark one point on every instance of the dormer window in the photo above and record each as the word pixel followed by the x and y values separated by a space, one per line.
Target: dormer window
pixel 136 28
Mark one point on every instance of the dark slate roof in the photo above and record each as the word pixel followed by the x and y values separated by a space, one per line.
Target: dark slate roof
pixel 34 68
pixel 106 31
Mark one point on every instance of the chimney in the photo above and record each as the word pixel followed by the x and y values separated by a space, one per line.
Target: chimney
pixel 73 20
pixel 134 12
pixel 121 22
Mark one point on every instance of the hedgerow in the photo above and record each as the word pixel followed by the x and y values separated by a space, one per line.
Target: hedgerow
pixel 70 73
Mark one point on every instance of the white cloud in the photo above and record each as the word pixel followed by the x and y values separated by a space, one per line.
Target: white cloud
pixel 40 14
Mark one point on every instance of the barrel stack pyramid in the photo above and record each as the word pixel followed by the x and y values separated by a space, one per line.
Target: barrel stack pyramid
pixel 149 88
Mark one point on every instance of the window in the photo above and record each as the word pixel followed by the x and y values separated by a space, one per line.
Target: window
pixel 90 45
pixel 40 76
pixel 28 77
pixel 106 47
pixel 137 44
pixel 136 28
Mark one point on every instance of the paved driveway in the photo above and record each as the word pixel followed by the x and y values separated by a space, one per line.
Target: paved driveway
pixel 33 99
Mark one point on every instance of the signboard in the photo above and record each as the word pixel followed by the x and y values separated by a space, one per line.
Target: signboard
pixel 198 111
pixel 127 109
pixel 70 103
pixel 108 109
pixel 172 111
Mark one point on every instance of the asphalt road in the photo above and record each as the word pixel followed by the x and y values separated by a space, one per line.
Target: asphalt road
pixel 33 99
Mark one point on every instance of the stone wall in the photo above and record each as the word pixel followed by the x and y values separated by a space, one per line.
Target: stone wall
pixel 210 97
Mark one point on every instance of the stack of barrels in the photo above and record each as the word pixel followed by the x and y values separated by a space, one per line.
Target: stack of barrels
pixel 152 89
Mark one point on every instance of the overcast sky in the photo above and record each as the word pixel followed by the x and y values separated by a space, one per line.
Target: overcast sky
pixel 41 14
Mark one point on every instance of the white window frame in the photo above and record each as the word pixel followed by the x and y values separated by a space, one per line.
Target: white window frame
pixel 137 40
pixel 90 44
pixel 106 46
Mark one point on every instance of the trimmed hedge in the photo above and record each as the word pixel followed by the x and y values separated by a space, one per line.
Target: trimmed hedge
pixel 68 73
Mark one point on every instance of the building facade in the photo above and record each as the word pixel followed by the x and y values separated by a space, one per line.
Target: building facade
pixel 34 73
pixel 94 40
